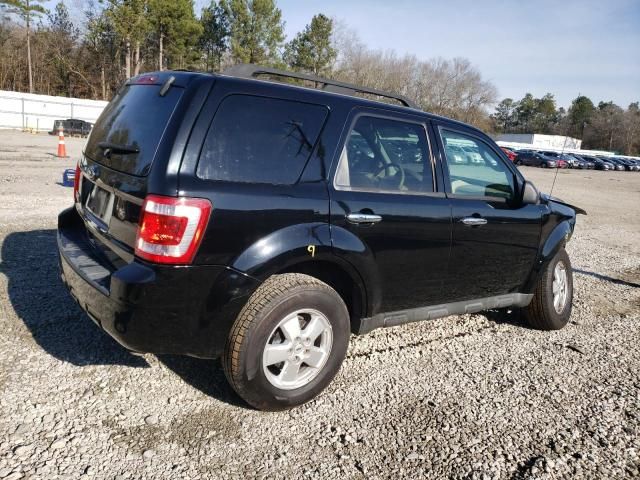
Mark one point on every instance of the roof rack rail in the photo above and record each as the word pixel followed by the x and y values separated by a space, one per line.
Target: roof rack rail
pixel 250 70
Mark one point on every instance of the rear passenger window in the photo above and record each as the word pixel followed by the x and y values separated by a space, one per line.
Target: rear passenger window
pixel 386 155
pixel 260 140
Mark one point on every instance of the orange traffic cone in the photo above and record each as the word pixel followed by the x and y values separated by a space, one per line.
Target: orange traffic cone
pixel 62 150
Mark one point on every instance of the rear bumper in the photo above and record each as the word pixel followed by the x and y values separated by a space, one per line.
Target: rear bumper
pixel 149 308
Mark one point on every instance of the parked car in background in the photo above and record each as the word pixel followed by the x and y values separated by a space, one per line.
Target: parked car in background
pixel 72 127
pixel 474 155
pixel 457 155
pixel 628 164
pixel 615 163
pixel 633 167
pixel 589 164
pixel 560 163
pixel 549 153
pixel 509 153
pixel 535 159
pixel 599 163
pixel 572 161
pixel 634 162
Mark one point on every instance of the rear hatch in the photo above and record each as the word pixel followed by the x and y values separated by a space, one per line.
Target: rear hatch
pixel 134 136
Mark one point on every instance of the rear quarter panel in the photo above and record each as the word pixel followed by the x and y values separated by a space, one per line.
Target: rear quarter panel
pixel 251 224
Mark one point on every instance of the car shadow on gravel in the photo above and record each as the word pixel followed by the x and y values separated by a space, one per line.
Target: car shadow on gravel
pixel 58 325
pixel 503 315
pixel 204 375
pixel 606 278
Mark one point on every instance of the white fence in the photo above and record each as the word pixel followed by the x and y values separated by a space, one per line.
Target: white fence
pixel 27 111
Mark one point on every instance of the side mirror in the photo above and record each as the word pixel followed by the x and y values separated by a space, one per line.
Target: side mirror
pixel 530 194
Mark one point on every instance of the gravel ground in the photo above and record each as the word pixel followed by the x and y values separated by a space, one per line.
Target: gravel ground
pixel 474 396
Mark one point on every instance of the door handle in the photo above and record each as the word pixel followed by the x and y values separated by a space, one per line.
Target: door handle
pixel 474 221
pixel 363 218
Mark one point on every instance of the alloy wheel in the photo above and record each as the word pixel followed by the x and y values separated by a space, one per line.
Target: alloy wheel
pixel 560 287
pixel 297 349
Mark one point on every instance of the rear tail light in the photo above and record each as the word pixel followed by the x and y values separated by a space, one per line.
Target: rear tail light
pixel 76 182
pixel 171 228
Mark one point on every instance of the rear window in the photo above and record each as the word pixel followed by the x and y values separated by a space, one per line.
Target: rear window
pixel 260 140
pixel 136 117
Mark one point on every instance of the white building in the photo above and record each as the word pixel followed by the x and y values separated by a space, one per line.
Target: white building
pixel 538 141
pixel 535 141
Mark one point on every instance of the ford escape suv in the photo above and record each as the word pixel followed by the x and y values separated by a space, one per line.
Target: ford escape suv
pixel 263 222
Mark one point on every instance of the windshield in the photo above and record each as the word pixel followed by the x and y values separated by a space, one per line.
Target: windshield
pixel 127 134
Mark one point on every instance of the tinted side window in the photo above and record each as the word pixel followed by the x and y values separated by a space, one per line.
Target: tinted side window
pixel 387 155
pixel 260 140
pixel 483 174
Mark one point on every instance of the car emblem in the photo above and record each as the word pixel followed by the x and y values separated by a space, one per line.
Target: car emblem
pixel 92 171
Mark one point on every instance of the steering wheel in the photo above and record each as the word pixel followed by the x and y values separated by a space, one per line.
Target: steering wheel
pixel 386 168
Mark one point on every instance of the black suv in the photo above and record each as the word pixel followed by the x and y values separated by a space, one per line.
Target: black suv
pixel 263 222
pixel 72 127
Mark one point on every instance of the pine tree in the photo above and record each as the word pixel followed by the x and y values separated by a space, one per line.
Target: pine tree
pixel 526 111
pixel 257 31
pixel 311 49
pixel 216 29
pixel 25 9
pixel 176 29
pixel 102 43
pixel 580 112
pixel 546 115
pixel 64 35
pixel 505 116
pixel 130 23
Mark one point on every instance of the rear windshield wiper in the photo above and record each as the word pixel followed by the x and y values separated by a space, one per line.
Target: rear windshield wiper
pixel 117 148
pixel 167 85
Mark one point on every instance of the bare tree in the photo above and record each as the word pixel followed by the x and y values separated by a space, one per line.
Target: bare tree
pixel 446 87
pixel 630 130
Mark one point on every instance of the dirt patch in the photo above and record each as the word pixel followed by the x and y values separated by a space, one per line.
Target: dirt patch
pixel 190 431
pixel 605 306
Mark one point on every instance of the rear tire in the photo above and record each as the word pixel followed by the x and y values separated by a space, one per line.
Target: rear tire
pixel 550 308
pixel 287 343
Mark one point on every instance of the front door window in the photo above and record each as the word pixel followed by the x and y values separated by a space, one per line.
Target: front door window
pixel 475 170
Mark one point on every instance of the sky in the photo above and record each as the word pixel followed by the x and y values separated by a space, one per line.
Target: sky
pixel 565 47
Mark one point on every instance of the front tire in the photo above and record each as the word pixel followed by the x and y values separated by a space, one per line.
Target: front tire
pixel 287 343
pixel 552 301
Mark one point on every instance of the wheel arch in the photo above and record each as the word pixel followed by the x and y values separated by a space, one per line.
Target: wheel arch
pixel 556 240
pixel 345 281
pixel 308 249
